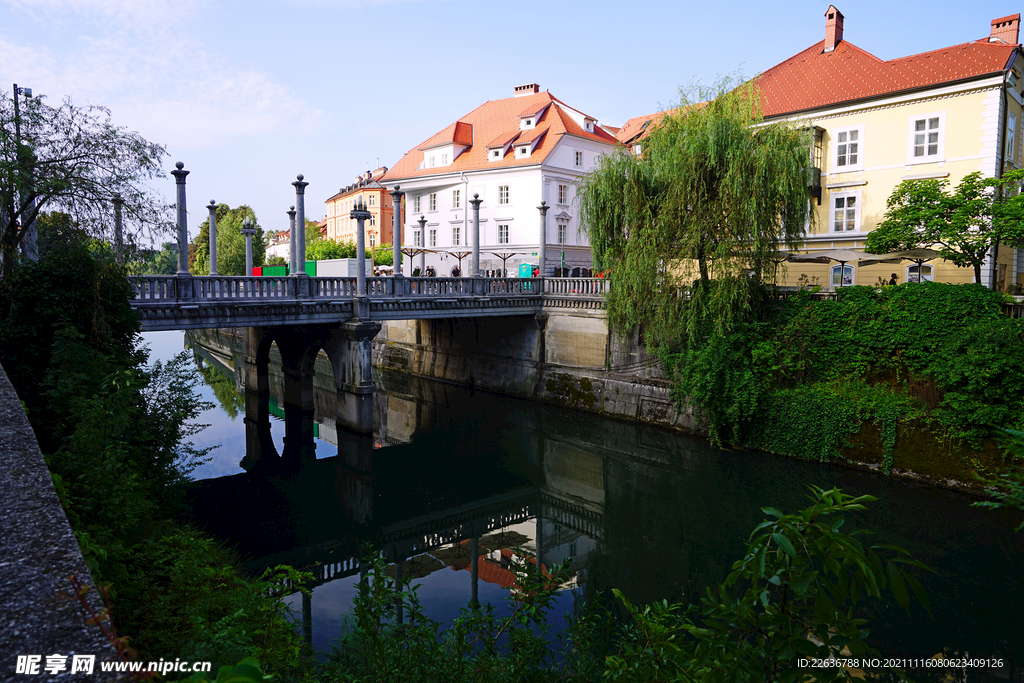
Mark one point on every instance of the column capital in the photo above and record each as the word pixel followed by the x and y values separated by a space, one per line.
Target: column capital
pixel 179 173
pixel 476 201
pixel 396 193
pixel 300 184
pixel 212 207
pixel 543 208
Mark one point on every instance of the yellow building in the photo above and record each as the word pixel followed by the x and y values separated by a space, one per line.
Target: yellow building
pixel 939 114
pixel 367 190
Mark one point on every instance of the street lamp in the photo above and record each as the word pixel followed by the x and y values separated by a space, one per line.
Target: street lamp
pixel 29 244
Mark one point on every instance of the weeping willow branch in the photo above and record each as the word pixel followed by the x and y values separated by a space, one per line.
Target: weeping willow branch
pixel 693 228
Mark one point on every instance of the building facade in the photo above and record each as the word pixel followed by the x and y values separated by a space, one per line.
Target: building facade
pixel 368 190
pixel 940 114
pixel 512 154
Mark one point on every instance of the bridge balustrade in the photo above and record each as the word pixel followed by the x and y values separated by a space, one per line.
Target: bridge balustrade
pixel 576 285
pixel 334 287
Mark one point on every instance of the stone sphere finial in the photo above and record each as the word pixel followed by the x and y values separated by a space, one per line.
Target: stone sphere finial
pixel 179 165
pixel 476 196
pixel 543 203
pixel 299 177
pixel 292 208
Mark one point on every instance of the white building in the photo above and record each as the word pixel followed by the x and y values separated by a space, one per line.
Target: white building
pixel 514 153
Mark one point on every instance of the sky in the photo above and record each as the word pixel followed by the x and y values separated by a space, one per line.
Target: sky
pixel 249 93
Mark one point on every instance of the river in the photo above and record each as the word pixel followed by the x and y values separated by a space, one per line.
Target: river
pixel 654 513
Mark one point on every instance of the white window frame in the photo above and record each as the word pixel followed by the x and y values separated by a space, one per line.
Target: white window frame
pixel 563 233
pixel 579 158
pixel 637 149
pixel 416 238
pixel 858 204
pixel 929 273
pixel 416 204
pixel 456 235
pixel 373 240
pixel 563 194
pixel 836 143
pixel 456 199
pixel 523 151
pixel 502 233
pixel 1011 140
pixel 503 195
pixel 494 155
pixel 847 267
pixel 940 153
pixel 371 200
pixel 433 237
pixel 373 220
pixel 444 159
pixel 432 202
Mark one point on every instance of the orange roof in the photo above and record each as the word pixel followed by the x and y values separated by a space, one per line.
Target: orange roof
pixel 495 123
pixel 812 79
pixel 639 127
pixel 459 133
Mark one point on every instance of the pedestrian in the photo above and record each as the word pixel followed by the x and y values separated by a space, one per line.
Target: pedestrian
pixel 893 281
pixel 456 272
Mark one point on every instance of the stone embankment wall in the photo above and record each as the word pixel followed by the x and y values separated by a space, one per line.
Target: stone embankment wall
pixel 563 355
pixel 38 553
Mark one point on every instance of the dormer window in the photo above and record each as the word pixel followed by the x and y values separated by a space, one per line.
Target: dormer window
pixel 588 125
pixel 523 151
pixel 494 155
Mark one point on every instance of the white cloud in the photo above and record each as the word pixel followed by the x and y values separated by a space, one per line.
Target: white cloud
pixel 183 95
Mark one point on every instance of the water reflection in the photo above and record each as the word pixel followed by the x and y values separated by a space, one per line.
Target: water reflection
pixel 450 477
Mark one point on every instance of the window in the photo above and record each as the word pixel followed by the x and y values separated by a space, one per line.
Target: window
pixel 373 240
pixel 562 231
pixel 579 158
pixel 845 211
pixel 495 154
pixel 847 276
pixel 926 138
pixel 415 238
pixel 637 149
pixel 432 202
pixel 1011 139
pixel 456 235
pixel 416 204
pixel 373 220
pixel 444 159
pixel 456 199
pixel 848 152
pixel 372 200
pixel 502 234
pixel 431 161
pixel 563 194
pixel 912 274
pixel 523 151
pixel 503 194
pixel 433 237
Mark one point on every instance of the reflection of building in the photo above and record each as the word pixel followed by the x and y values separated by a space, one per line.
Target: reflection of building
pixel 367 190
pixel 513 153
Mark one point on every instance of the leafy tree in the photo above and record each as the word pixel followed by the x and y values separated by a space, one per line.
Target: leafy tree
pixel 230 243
pixel 153 262
pixel 73 159
pixel 321 250
pixel 966 224
pixel 715 195
pixel 383 255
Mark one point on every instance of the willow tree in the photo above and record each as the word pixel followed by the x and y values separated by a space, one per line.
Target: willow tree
pixel 693 227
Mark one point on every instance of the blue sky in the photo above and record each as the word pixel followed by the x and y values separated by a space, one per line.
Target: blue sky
pixel 248 93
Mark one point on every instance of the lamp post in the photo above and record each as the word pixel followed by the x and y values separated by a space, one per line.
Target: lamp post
pixel 360 215
pixel 543 251
pixel 29 243
pixel 421 245
pixel 248 229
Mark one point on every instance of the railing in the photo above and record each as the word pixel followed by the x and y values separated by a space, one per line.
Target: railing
pixel 153 289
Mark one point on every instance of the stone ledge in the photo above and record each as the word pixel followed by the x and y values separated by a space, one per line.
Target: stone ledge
pixel 38 553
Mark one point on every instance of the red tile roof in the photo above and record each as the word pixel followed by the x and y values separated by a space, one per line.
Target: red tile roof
pixel 639 127
pixel 812 79
pixel 494 123
pixel 459 133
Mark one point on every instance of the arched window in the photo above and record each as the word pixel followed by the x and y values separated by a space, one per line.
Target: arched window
pixel 926 273
pixel 847 275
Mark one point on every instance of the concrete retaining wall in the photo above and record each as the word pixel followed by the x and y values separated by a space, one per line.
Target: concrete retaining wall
pixel 563 356
pixel 38 553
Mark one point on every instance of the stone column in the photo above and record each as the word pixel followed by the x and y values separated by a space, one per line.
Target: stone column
pixel 248 229
pixel 118 229
pixel 396 233
pixel 423 246
pixel 179 178
pixel 543 251
pixel 475 265
pixel 291 239
pixel 212 208
pixel 360 214
pixel 300 226
pixel 349 347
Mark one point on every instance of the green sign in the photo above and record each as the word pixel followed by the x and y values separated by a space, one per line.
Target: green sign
pixel 533 253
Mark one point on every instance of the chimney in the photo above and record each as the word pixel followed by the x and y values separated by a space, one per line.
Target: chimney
pixel 525 90
pixel 1006 30
pixel 833 28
